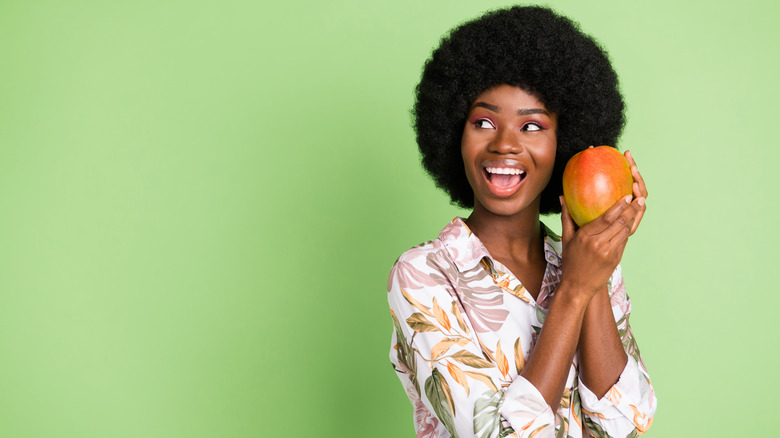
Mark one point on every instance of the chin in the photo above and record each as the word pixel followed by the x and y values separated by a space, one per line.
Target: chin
pixel 509 208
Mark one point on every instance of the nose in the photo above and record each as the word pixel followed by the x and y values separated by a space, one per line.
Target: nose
pixel 506 142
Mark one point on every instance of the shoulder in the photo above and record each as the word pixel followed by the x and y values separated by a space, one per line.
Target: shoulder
pixel 438 257
pixel 421 266
pixel 419 252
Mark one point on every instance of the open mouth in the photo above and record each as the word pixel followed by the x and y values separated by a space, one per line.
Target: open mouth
pixel 504 177
pixel 503 181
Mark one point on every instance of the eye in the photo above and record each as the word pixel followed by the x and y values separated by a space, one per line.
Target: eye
pixel 484 124
pixel 531 127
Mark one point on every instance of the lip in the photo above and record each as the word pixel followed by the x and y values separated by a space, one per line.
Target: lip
pixel 505 164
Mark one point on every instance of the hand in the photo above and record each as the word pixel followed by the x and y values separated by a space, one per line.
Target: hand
pixel 640 191
pixel 592 252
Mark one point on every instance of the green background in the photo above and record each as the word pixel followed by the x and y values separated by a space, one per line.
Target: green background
pixel 200 203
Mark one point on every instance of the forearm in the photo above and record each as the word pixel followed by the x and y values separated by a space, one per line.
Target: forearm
pixel 548 365
pixel 601 354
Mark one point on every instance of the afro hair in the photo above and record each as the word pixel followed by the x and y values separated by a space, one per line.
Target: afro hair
pixel 529 47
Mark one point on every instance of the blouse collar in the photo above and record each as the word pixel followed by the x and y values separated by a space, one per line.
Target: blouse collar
pixel 466 250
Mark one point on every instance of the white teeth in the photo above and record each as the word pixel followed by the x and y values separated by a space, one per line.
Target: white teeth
pixel 505 170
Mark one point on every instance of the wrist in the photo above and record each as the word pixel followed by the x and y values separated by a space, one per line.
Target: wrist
pixel 573 295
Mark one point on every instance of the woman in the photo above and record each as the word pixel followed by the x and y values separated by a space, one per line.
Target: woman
pixel 501 328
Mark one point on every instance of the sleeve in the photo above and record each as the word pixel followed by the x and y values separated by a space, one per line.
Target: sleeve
pixel 627 409
pixel 453 384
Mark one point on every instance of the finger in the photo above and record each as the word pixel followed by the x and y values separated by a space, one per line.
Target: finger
pixel 567 223
pixel 638 219
pixel 604 221
pixel 641 189
pixel 622 226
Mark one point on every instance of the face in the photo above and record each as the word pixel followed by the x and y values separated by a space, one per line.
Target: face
pixel 508 149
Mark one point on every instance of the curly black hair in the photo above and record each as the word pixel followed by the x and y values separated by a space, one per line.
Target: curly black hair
pixel 535 49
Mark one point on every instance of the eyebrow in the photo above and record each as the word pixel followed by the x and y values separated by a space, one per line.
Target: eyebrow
pixel 520 112
pixel 525 112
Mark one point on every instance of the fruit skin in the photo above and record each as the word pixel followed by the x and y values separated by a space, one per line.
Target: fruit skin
pixel 593 180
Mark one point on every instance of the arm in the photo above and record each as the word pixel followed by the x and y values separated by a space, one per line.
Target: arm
pixel 600 351
pixel 590 255
pixel 617 395
pixel 630 404
pixel 601 355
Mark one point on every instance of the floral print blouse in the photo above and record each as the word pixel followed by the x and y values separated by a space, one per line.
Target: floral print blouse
pixel 464 327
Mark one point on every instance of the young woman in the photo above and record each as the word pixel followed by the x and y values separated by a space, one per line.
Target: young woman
pixel 501 328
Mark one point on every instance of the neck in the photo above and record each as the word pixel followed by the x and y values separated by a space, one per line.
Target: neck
pixel 518 236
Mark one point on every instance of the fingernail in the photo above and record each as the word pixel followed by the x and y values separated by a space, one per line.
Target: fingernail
pixel 640 201
pixel 627 199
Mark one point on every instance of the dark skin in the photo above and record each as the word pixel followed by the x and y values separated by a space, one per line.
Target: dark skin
pixel 519 251
pixel 598 334
pixel 580 319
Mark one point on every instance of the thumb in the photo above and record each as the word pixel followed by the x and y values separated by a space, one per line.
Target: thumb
pixel 567 223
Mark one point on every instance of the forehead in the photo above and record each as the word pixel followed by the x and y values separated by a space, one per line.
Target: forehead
pixel 509 97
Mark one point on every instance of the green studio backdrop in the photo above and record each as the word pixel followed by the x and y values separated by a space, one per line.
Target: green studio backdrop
pixel 200 203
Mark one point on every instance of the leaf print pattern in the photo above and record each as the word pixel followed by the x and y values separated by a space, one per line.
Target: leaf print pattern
pixel 441 317
pixel 459 317
pixel 619 300
pixel 596 430
pixel 425 423
pixel 471 359
pixel 415 303
pixel 519 358
pixel 419 323
pixel 484 378
pixel 576 407
pixel 405 359
pixel 640 419
pixel 459 376
pixel 484 303
pixel 613 394
pixel 538 430
pixel 438 392
pixel 463 327
pixel 486 418
pixel 444 345
pixel 501 362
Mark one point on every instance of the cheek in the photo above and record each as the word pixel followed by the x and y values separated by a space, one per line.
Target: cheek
pixel 551 158
pixel 546 160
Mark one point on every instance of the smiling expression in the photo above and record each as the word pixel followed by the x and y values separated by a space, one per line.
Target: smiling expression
pixel 508 149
